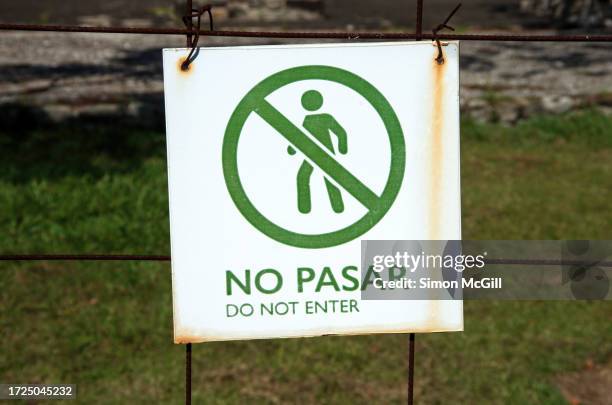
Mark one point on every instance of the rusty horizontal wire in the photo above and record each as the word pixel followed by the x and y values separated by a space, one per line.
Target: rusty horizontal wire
pixel 308 35
pixel 165 258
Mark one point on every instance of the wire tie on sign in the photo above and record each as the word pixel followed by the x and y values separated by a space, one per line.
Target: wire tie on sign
pixel 440 27
pixel 197 14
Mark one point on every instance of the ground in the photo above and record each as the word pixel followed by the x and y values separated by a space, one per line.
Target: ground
pixel 69 75
pixel 58 76
pixel 588 386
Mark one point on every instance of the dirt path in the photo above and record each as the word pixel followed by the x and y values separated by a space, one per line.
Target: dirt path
pixel 590 386
pixel 70 75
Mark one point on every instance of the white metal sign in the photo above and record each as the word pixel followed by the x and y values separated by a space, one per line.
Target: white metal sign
pixel 281 159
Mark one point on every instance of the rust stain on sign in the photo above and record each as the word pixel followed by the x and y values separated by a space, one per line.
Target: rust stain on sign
pixel 179 67
pixel 429 326
pixel 436 149
pixel 185 335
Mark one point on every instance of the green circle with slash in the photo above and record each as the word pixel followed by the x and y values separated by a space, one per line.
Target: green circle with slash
pixel 254 103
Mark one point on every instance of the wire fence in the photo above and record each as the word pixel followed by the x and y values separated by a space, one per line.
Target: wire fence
pixel 192 31
pixel 350 35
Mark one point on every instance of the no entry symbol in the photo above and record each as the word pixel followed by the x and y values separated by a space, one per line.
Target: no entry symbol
pixel 314 143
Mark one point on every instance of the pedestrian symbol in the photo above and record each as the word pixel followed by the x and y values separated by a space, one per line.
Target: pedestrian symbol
pixel 315 142
pixel 320 126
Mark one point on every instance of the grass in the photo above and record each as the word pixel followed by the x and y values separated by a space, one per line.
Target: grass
pixel 107 326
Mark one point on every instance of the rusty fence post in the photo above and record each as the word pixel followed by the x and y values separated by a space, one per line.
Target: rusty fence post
pixel 189 23
pixel 411 369
pixel 188 374
pixel 411 339
pixel 188 8
pixel 419 36
pixel 419 20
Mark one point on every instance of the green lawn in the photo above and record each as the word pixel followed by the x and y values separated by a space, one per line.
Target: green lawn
pixel 108 326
